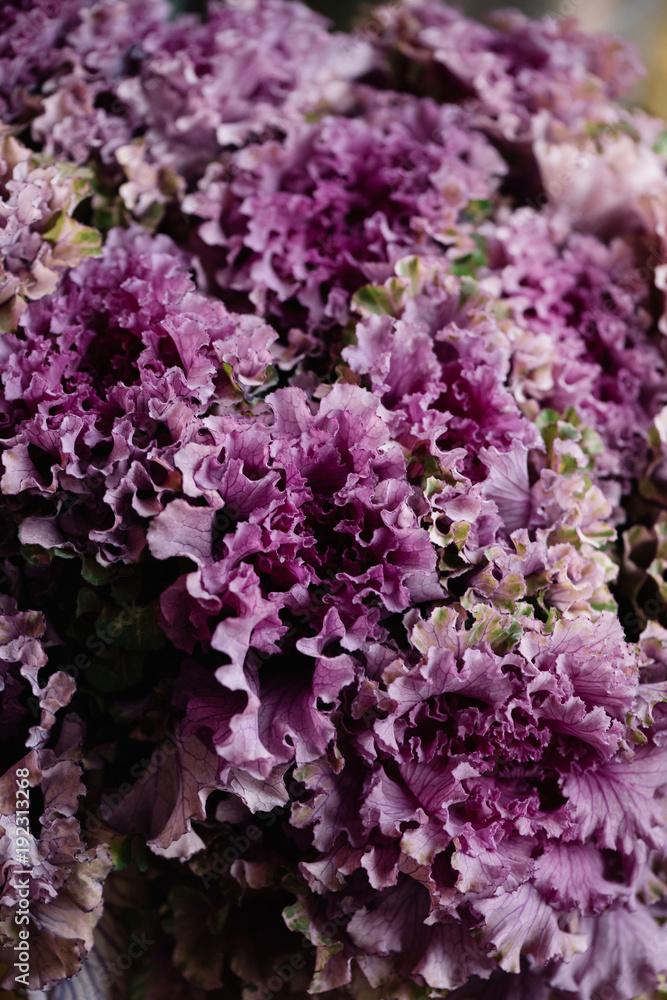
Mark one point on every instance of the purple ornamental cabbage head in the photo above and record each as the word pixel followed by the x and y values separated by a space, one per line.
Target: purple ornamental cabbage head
pixel 378 537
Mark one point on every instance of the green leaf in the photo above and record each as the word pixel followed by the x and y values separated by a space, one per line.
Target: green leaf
pixel 53 233
pixel 409 267
pixel 373 299
pixel 129 850
pixel 87 600
pixel 35 555
pixel 546 417
pixel 131 627
pixel 501 631
pixel 463 266
pixel 477 210
pixel 297 918
pixel 152 217
pixel 468 290
pixel 468 264
pixel 89 239
pixel 93 572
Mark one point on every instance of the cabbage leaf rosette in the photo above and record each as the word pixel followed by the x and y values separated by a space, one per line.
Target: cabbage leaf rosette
pixel 333 506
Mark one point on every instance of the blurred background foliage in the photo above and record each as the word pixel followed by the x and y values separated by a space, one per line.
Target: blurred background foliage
pixel 642 21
